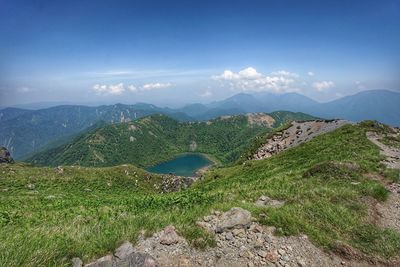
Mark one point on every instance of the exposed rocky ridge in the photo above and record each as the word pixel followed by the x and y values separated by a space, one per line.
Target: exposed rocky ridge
pixel 297 133
pixel 240 242
pixel 5 156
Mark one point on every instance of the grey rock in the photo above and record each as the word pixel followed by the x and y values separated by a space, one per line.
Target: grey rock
pixel 124 250
pixel 266 201
pixel 234 218
pixel 5 156
pixel 169 236
pixel 136 259
pixel 106 261
pixel 76 262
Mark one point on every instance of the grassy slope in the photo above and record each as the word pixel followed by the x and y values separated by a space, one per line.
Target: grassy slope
pixel 321 202
pixel 157 138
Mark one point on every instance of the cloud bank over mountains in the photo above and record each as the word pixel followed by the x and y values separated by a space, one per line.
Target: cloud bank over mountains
pixel 119 88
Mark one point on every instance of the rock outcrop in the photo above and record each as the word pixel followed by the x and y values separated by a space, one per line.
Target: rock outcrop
pixel 5 156
pixel 297 133
pixel 124 256
pixel 243 242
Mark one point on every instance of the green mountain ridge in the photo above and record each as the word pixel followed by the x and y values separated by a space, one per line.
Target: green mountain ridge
pixel 157 138
pixel 31 131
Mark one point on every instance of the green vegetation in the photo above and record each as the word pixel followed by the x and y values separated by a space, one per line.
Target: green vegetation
pixel 158 138
pixel 30 131
pixel 87 212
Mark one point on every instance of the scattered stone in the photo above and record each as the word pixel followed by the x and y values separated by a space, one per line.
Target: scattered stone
pixel 31 186
pixel 272 256
pixel 238 232
pixel 266 201
pixel 184 262
pixel 301 263
pixel 136 259
pixel 76 262
pixel 229 236
pixel 5 156
pixel 59 170
pixel 169 236
pixel 262 253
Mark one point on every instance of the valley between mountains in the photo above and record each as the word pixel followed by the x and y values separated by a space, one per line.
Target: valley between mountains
pixel 288 189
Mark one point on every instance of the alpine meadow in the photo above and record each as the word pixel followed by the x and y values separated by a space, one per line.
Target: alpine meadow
pixel 199 133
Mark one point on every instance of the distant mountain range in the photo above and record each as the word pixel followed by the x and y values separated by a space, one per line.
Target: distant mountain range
pixel 380 105
pixel 25 132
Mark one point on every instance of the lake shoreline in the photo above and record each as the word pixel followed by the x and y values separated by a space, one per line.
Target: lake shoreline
pixel 211 162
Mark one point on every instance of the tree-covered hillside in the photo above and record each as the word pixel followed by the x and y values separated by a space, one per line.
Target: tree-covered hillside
pixel 25 132
pixel 158 137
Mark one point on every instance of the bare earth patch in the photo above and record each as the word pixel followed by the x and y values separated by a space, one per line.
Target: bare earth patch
pixel 260 119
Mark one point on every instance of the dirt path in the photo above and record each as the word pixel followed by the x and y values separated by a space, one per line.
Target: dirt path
pixel 388 212
pixel 392 154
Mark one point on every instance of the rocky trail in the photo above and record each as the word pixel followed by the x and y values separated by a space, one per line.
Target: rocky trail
pixel 387 214
pixel 299 132
pixel 392 154
pixel 241 241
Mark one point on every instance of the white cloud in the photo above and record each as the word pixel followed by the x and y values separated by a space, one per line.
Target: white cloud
pixel 119 88
pixel 323 85
pixel 24 89
pixel 207 93
pixel 285 73
pixel 250 80
pixel 360 85
pixel 310 73
pixel 152 86
pixel 249 73
pixel 132 88
pixel 112 89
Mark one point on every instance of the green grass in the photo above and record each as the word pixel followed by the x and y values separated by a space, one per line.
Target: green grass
pixel 322 193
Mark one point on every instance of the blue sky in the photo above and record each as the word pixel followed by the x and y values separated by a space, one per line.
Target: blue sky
pixel 176 52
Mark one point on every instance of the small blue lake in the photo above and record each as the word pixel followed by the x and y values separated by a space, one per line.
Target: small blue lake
pixel 183 165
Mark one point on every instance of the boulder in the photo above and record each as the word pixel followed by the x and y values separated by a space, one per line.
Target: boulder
pixel 5 156
pixel 136 259
pixel 169 236
pixel 233 219
pixel 106 261
pixel 124 250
